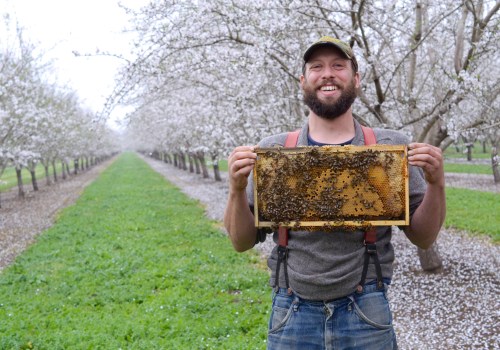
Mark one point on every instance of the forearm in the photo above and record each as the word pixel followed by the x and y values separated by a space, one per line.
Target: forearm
pixel 239 221
pixel 428 218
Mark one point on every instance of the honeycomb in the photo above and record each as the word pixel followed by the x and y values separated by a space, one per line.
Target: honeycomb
pixel 331 187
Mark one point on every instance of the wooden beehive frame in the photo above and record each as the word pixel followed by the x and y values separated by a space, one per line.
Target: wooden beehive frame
pixel 374 182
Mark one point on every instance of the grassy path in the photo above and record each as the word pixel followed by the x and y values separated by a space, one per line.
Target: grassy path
pixel 134 264
pixel 473 211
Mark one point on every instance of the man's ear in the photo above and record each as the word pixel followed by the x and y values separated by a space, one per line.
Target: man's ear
pixel 302 79
pixel 357 79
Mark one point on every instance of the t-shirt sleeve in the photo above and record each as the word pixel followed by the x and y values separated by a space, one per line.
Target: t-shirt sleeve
pixel 417 182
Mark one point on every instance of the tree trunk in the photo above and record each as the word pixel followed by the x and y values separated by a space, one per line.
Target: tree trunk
pixel 415 40
pixel 495 164
pixel 175 160
pixel 67 167
pixel 182 163
pixel 469 151
pixel 33 179
pixel 460 40
pixel 32 169
pixel 197 165
pixel 20 182
pixel 215 163
pixel 63 170
pixel 75 165
pixel 203 163
pixel 430 259
pixel 179 160
pixel 54 170
pixel 47 174
pixel 190 160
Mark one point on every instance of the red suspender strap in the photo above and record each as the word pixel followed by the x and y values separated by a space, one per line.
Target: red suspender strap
pixel 282 258
pixel 292 138
pixel 370 139
pixel 370 236
pixel 291 141
pixel 369 135
pixel 283 236
pixel 371 233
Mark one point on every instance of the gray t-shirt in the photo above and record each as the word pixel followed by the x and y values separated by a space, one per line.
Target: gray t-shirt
pixel 328 265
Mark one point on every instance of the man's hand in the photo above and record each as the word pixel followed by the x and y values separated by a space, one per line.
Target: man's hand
pixel 240 163
pixel 429 216
pixel 238 219
pixel 430 159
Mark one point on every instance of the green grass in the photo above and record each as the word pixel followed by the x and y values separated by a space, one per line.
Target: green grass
pixel 477 152
pixel 9 178
pixel 474 211
pixel 134 264
pixel 468 168
pixel 222 164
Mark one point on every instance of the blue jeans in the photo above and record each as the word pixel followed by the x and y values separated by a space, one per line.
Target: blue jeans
pixel 358 321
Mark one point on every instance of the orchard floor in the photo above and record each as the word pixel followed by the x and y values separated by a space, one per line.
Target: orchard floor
pixel 21 219
pixel 457 308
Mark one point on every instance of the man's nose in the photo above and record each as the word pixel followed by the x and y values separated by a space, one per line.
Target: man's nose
pixel 329 72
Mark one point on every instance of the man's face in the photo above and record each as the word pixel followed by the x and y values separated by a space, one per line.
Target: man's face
pixel 329 83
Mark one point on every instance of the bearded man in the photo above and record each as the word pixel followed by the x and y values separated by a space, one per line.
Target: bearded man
pixel 318 299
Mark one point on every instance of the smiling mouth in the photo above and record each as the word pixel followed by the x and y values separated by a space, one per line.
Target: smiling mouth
pixel 328 88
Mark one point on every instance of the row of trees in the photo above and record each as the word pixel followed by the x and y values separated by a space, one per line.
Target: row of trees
pixel 210 75
pixel 42 122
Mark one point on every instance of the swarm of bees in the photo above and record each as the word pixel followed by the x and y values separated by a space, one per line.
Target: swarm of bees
pixel 332 186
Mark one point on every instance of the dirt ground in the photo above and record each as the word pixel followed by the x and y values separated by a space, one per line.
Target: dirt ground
pixel 457 308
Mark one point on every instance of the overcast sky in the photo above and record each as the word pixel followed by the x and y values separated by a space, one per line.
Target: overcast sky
pixel 64 26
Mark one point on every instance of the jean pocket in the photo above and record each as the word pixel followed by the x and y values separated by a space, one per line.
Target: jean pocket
pixel 281 312
pixel 373 309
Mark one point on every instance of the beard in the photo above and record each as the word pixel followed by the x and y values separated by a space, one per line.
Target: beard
pixel 333 109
